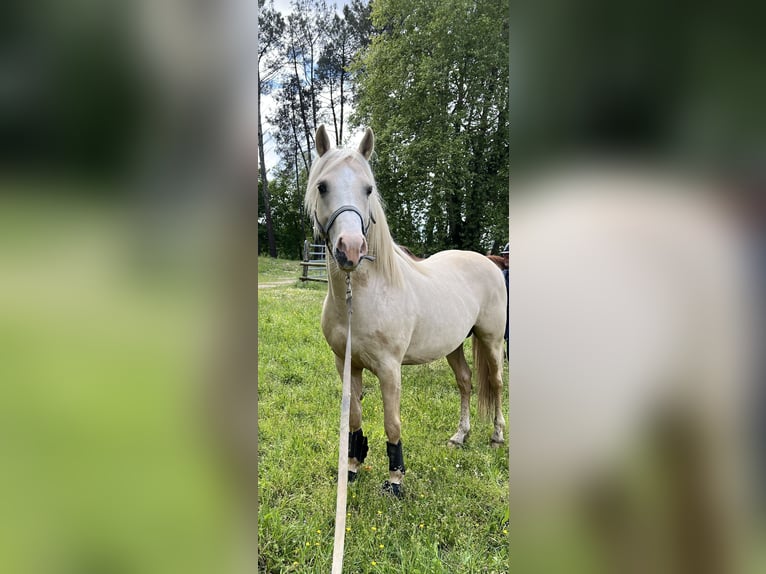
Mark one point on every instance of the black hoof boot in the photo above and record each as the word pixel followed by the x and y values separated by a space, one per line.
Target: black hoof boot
pixel 395 489
pixel 395 464
pixel 352 475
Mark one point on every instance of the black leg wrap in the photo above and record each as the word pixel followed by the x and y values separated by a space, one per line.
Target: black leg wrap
pixel 395 458
pixel 357 448
pixel 357 445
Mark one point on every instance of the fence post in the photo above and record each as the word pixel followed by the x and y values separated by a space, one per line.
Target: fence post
pixel 305 259
pixel 313 258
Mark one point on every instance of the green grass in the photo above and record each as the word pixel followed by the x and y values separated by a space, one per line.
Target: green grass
pixel 277 269
pixel 454 514
pixel 102 468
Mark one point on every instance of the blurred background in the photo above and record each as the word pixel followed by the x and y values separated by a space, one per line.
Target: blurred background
pixel 128 219
pixel 113 141
pixel 637 175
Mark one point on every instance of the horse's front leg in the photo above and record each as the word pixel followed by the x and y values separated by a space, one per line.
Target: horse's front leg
pixel 357 442
pixel 391 385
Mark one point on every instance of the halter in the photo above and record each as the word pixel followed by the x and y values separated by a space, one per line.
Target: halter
pixel 325 232
pixel 331 220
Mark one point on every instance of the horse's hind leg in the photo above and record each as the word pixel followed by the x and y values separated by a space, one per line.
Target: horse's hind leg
pixel 357 442
pixel 457 362
pixel 488 362
pixel 496 373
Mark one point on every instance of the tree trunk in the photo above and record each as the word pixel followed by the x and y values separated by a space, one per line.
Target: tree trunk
pixel 312 90
pixel 303 108
pixel 334 115
pixel 339 133
pixel 298 148
pixel 265 186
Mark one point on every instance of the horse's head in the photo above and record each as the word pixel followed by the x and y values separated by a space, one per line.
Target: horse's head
pixel 338 196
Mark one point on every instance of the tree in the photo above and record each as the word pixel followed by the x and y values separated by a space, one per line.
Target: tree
pixel 434 88
pixel 270 27
pixel 305 35
pixel 332 71
pixel 346 37
pixel 288 223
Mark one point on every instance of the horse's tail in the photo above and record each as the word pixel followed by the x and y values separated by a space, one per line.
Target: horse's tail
pixel 487 384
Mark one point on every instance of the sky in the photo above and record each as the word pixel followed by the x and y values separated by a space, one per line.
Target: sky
pixel 284 5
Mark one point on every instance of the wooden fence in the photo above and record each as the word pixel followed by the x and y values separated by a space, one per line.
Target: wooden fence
pixel 314 264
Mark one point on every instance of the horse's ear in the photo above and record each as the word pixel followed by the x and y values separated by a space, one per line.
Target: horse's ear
pixel 368 144
pixel 322 140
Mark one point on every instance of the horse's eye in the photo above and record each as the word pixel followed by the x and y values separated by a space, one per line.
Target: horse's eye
pixel 322 187
pixel 369 190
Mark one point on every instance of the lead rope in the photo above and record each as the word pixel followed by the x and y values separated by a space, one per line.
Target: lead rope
pixel 345 405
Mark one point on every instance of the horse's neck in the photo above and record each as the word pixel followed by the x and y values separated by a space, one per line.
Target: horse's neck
pixel 337 283
pixel 362 280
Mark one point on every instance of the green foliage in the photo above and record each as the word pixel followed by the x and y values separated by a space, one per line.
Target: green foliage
pixel 286 215
pixel 454 515
pixel 435 91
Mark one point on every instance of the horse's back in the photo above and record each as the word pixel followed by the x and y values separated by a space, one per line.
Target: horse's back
pixel 469 275
pixel 468 265
pixel 452 293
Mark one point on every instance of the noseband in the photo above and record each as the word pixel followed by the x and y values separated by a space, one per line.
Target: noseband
pixel 325 231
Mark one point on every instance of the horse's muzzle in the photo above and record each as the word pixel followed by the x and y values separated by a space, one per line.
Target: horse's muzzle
pixel 349 251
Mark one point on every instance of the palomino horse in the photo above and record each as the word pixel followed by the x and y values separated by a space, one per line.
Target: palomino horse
pixel 404 311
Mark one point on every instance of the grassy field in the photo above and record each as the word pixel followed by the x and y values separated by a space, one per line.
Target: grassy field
pixel 102 463
pixel 273 270
pixel 454 515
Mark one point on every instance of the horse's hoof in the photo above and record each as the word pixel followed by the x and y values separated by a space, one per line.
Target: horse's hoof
pixel 391 488
pixel 496 444
pixel 458 439
pixel 352 475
